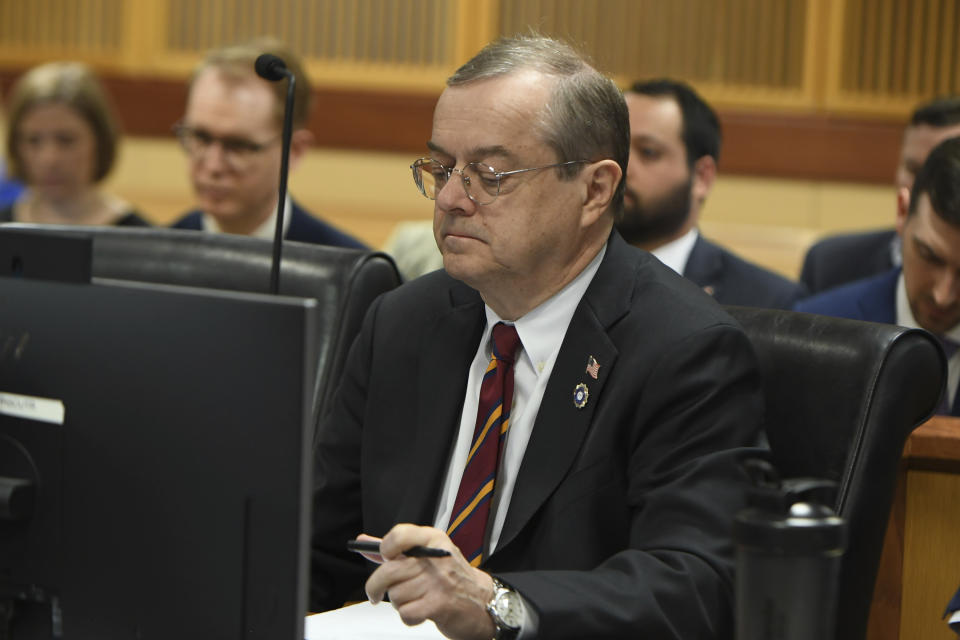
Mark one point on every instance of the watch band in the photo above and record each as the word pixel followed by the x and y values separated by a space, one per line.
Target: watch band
pixel 504 596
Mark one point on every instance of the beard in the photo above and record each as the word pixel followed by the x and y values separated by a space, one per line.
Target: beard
pixel 651 221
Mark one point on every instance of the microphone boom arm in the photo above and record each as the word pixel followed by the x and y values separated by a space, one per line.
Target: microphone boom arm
pixel 282 195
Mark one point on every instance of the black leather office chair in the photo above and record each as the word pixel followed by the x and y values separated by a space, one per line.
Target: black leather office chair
pixel 842 396
pixel 344 281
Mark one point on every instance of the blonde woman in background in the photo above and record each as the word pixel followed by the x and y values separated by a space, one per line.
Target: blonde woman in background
pixel 62 142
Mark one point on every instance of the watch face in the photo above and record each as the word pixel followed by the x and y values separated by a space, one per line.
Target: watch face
pixel 507 607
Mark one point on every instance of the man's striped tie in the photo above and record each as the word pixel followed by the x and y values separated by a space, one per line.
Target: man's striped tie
pixel 468 522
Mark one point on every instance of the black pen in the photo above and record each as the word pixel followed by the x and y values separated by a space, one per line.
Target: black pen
pixel 373 546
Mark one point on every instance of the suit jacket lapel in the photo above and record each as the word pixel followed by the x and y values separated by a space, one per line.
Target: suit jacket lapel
pixel 442 379
pixel 879 301
pixel 704 265
pixel 560 427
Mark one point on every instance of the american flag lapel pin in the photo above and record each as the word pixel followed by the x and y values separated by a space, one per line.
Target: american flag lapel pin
pixel 593 367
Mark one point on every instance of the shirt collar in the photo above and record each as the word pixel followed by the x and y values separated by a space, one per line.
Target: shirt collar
pixel 905 314
pixel 542 329
pixel 676 253
pixel 266 230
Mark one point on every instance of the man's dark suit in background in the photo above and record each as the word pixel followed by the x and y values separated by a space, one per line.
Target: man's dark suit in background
pixel 872 299
pixel 303 228
pixel 843 258
pixel 619 525
pixel 840 259
pixel 732 280
pixel 674 154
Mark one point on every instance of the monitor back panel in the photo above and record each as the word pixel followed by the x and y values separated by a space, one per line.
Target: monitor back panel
pixel 173 498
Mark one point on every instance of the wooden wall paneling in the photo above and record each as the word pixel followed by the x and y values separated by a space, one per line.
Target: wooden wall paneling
pixel 751 51
pixel 821 46
pixel 914 49
pixel 144 26
pixel 884 46
pixel 928 62
pixel 867 80
pixel 956 54
pixel 949 40
pixel 474 23
pixel 899 46
pixel 710 55
pixel 778 73
pixel 853 42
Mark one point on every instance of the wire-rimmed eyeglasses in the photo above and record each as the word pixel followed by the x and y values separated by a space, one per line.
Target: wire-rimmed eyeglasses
pixel 481 182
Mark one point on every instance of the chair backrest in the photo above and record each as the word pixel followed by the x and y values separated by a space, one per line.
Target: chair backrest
pixel 842 396
pixel 344 281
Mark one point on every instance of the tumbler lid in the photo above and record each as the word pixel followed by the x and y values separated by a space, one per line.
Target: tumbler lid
pixel 806 528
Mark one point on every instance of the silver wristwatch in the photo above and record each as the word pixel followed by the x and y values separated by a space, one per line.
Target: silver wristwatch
pixel 506 610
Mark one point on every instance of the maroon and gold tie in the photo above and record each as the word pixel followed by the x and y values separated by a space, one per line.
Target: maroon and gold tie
pixel 468 522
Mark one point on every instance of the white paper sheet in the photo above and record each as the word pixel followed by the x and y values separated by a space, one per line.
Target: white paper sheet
pixel 366 622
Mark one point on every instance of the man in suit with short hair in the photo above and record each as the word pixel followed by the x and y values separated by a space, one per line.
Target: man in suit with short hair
pixel 846 257
pixel 594 499
pixel 925 291
pixel 231 132
pixel 674 151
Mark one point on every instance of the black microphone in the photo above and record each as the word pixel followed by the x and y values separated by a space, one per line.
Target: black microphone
pixel 270 67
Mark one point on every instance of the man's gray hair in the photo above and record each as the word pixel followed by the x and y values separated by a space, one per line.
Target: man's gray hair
pixel 586 118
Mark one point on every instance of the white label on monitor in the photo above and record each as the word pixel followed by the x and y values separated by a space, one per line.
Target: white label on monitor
pixel 31 408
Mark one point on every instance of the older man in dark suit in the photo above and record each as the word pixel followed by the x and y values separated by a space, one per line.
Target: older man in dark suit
pixel 558 410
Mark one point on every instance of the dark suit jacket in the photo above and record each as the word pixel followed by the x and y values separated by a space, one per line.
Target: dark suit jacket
pixel 872 299
pixel 303 228
pixel 840 259
pixel 619 526
pixel 954 606
pixel 732 280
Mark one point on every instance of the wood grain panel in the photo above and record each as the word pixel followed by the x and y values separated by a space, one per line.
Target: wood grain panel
pixel 931 562
pixel 749 43
pixel 894 52
pixel 815 147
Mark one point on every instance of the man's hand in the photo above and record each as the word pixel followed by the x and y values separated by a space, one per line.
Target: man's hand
pixel 446 590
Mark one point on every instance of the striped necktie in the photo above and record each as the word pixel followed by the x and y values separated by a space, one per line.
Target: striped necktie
pixel 468 522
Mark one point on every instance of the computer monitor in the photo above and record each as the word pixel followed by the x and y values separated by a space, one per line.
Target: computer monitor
pixel 155 461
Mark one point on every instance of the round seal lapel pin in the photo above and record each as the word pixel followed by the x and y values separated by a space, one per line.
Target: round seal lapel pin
pixel 580 396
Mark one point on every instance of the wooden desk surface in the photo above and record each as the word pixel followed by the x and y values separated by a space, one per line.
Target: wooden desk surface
pixel 937 440
pixel 920 567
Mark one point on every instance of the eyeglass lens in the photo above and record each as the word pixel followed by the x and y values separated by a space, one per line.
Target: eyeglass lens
pixel 481 182
pixel 236 151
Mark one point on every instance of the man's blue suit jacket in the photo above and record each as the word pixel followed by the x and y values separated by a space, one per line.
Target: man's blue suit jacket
pixel 873 299
pixel 303 228
pixel 951 608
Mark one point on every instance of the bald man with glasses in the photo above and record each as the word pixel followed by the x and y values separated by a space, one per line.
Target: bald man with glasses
pixel 231 134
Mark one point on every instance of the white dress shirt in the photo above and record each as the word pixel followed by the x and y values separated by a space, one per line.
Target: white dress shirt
pixel 541 333
pixel 905 319
pixel 266 230
pixel 676 253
